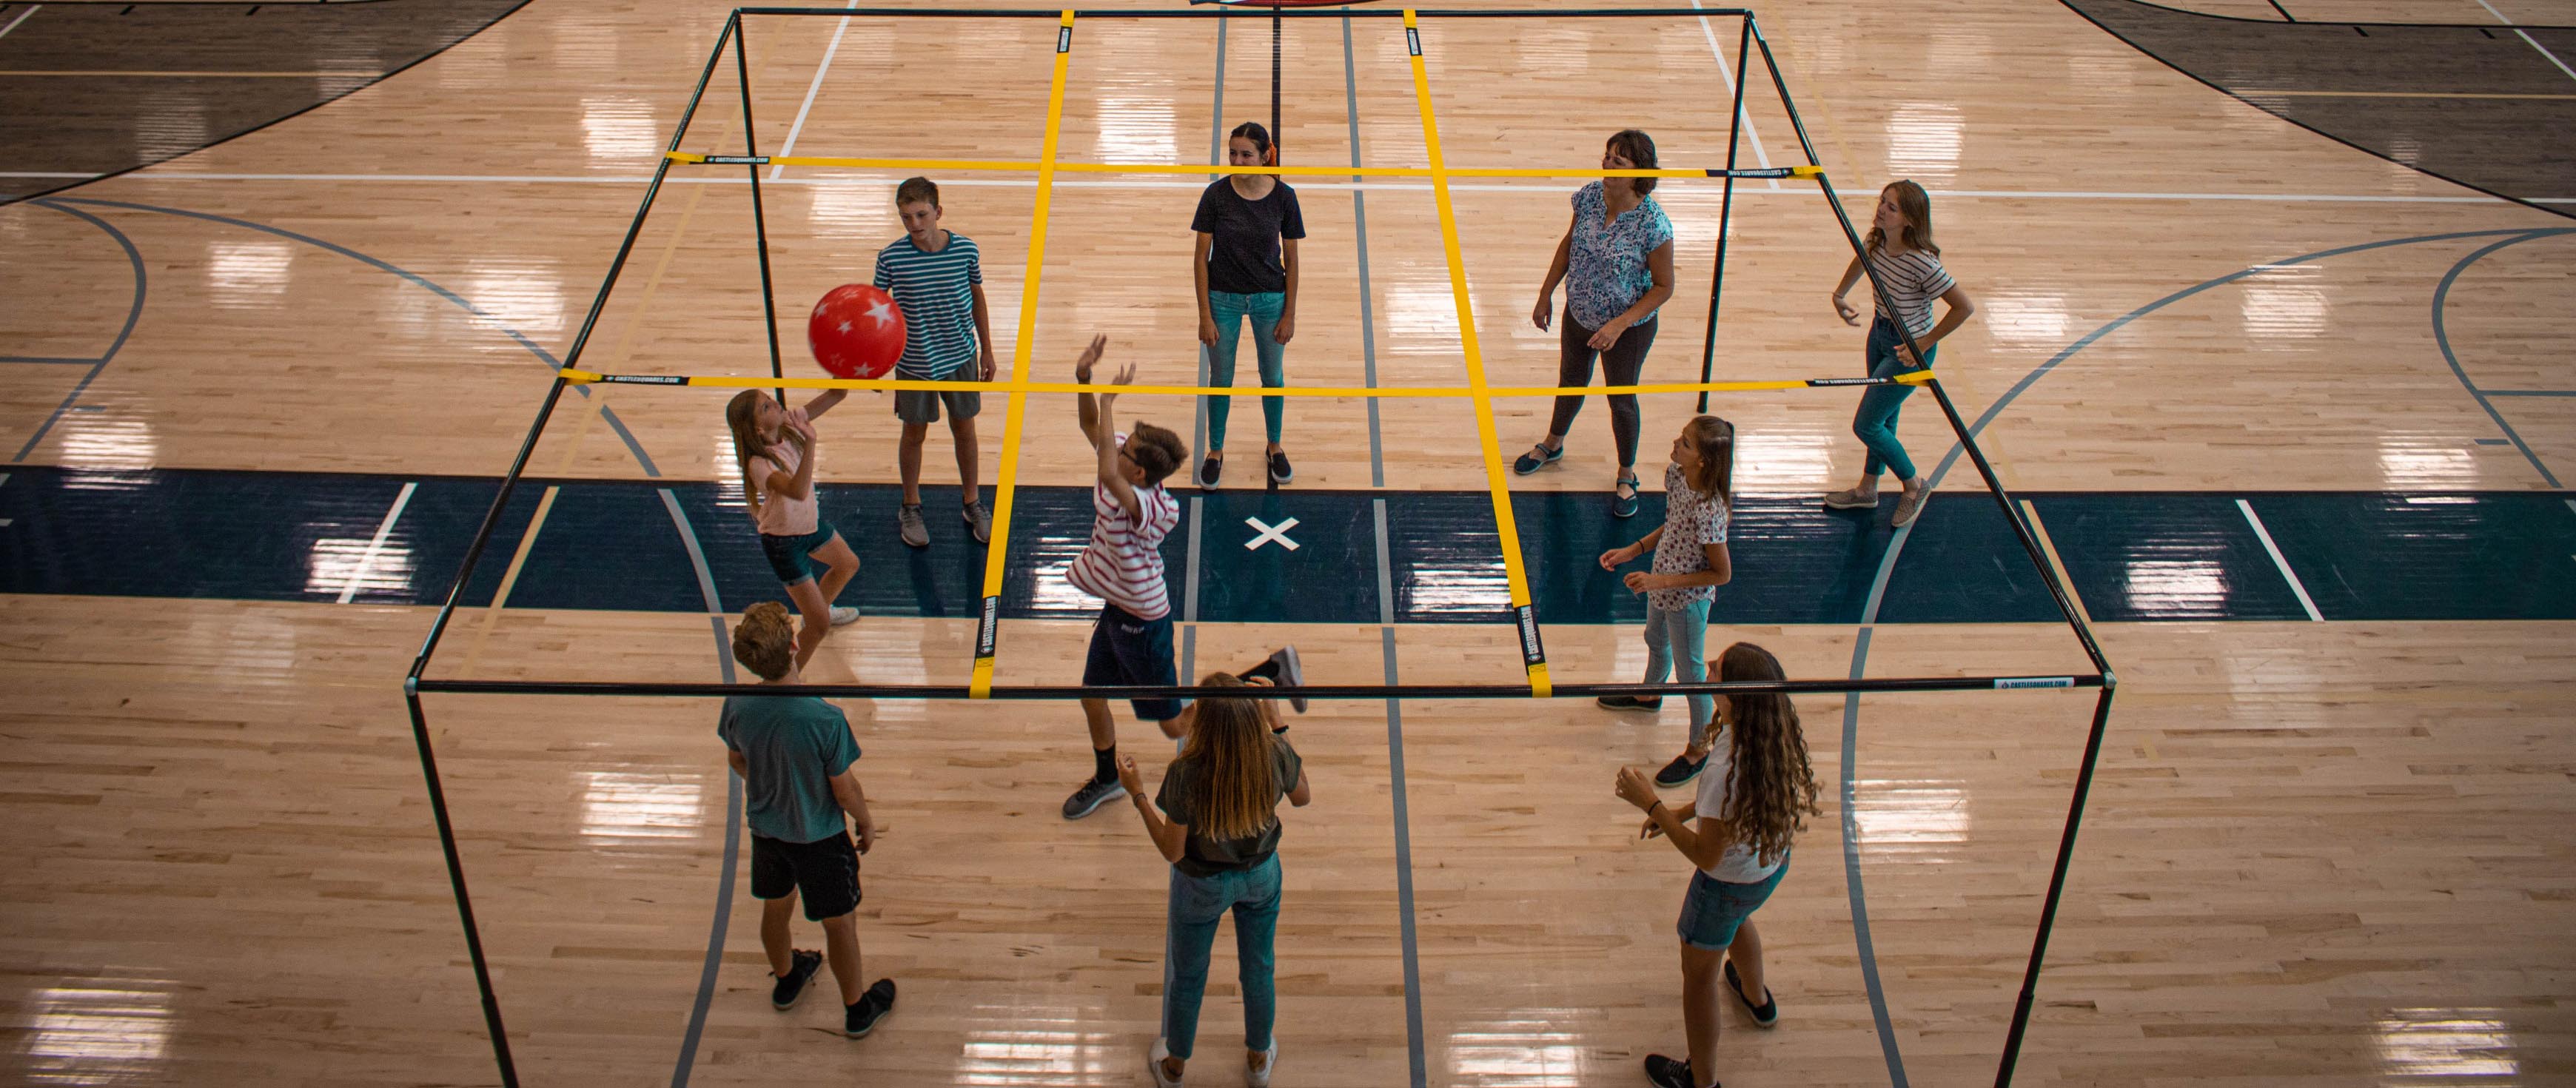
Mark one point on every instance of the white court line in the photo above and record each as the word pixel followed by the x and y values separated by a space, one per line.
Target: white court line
pixel 2278 562
pixel 1194 186
pixel 1728 74
pixel 368 558
pixel 2524 35
pixel 22 17
pixel 828 53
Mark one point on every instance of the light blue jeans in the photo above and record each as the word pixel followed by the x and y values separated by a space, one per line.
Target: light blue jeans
pixel 1197 904
pixel 1680 637
pixel 1268 353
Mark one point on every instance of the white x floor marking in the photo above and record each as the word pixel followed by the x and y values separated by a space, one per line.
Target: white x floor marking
pixel 1270 533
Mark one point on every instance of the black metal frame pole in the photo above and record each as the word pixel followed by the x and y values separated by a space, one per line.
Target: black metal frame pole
pixel 2056 889
pixel 694 689
pixel 1217 11
pixel 759 215
pixel 1276 136
pixel 465 571
pixel 1725 211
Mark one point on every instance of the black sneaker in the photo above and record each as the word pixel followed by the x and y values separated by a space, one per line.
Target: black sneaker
pixel 1291 675
pixel 1680 771
pixel 1091 796
pixel 1766 1014
pixel 1209 470
pixel 801 965
pixel 860 1019
pixel 1664 1072
pixel 1629 702
pixel 1537 456
pixel 1280 473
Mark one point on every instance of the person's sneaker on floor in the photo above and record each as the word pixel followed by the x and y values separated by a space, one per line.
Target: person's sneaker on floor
pixel 1630 702
pixel 844 615
pixel 916 532
pixel 979 521
pixel 1853 499
pixel 1258 1065
pixel 1209 470
pixel 859 1019
pixel 1680 771
pixel 1280 472
pixel 1766 1014
pixel 1291 674
pixel 1154 1056
pixel 1910 504
pixel 1664 1072
pixel 1091 796
pixel 785 990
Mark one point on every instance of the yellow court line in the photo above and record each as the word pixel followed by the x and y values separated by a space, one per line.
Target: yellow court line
pixel 2049 548
pixel 1345 392
pixel 1515 574
pixel 997 549
pixel 687 158
pixel 198 75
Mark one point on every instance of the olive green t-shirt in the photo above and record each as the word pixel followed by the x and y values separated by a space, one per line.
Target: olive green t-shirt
pixel 1184 792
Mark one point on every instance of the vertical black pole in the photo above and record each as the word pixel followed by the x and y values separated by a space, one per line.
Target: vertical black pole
pixel 1276 137
pixel 2056 887
pixel 464 904
pixel 1725 209
pixel 759 217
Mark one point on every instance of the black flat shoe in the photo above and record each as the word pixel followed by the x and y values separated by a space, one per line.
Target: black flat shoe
pixel 1537 457
pixel 1209 470
pixel 1624 506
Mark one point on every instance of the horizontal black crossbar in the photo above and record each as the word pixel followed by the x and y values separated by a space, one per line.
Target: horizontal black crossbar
pixel 1310 691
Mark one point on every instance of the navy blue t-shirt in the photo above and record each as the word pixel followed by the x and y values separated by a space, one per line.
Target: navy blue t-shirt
pixel 1244 257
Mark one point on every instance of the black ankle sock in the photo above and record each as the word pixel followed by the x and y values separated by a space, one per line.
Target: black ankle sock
pixel 1104 764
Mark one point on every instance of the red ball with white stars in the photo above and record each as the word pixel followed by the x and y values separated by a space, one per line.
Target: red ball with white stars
pixel 856 332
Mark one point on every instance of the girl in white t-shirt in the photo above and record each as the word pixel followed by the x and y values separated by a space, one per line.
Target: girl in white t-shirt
pixel 1755 797
pixel 774 447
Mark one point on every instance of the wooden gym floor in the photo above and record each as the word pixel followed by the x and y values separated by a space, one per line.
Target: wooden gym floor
pixel 2318 852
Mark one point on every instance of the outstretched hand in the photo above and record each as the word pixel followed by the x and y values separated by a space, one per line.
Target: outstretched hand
pixel 1090 355
pixel 1635 788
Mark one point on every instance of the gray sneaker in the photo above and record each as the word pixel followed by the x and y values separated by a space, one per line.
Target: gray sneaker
pixel 979 521
pixel 915 532
pixel 1091 796
pixel 1854 499
pixel 1911 504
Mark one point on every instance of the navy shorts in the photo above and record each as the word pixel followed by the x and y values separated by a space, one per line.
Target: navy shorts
pixel 1715 909
pixel 1130 651
pixel 826 870
pixel 791 557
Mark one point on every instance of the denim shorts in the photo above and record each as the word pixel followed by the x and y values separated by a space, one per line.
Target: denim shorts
pixel 790 557
pixel 1714 908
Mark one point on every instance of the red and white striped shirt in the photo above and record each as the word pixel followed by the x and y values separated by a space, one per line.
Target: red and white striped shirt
pixel 1123 564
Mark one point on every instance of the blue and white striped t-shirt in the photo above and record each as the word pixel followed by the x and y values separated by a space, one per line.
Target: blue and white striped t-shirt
pixel 936 291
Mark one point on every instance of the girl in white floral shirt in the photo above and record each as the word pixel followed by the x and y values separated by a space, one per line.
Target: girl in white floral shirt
pixel 1690 563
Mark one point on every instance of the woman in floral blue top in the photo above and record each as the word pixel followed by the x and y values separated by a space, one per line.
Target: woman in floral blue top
pixel 1616 262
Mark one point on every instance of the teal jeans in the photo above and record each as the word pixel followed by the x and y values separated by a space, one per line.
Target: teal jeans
pixel 1268 353
pixel 1252 896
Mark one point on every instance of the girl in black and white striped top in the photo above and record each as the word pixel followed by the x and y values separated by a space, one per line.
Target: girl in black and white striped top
pixel 1908 265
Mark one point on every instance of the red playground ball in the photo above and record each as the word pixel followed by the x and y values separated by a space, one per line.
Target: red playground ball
pixel 856 332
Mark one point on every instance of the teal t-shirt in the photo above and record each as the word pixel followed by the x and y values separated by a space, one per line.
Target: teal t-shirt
pixel 794 746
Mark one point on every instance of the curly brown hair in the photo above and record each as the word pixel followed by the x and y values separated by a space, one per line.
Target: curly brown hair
pixel 1774 789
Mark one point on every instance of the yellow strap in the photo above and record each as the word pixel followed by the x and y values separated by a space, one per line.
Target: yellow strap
pixel 1439 392
pixel 997 549
pixel 998 165
pixel 1515 574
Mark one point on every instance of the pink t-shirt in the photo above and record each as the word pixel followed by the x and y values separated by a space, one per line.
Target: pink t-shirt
pixel 780 515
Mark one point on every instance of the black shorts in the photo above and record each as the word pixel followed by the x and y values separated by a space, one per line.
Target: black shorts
pixel 1128 651
pixel 826 870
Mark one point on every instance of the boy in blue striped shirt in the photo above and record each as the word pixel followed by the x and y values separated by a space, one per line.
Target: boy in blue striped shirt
pixel 937 276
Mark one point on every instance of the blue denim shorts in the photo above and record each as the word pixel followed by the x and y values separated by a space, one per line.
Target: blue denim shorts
pixel 1714 909
pixel 788 555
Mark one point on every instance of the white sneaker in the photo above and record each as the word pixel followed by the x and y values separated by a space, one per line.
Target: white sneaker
pixel 844 615
pixel 1260 1078
pixel 1154 1062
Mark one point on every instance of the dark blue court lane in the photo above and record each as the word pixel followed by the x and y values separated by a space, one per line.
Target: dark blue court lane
pixel 615 545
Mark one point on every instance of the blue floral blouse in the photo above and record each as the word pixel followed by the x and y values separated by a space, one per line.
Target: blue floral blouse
pixel 1605 270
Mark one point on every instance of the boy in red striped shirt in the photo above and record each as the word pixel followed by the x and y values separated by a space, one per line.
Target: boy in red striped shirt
pixel 1123 566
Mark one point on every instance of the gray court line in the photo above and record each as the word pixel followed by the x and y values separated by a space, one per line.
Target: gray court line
pixel 133 314
pixel 724 890
pixel 2518 32
pixel 49 359
pixel 2529 392
pixel 680 521
pixel 2442 338
pixel 1896 546
pixel 1199 428
pixel 812 89
pixel 1416 1061
pixel 2278 562
pixel 22 17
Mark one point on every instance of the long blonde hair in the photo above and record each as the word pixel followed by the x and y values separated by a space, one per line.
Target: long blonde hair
pixel 1774 790
pixel 1231 744
pixel 747 442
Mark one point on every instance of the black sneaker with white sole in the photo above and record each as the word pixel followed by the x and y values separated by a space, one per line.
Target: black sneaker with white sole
pixel 786 989
pixel 859 1019
pixel 1766 1014
pixel 1664 1072
pixel 1280 472
pixel 1091 796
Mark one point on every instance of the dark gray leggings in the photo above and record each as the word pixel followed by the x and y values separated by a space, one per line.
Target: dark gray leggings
pixel 1619 366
